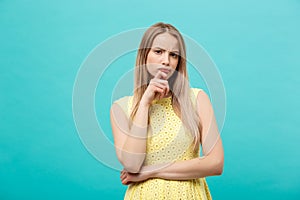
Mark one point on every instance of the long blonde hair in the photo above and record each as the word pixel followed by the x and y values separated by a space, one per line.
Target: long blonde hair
pixel 178 82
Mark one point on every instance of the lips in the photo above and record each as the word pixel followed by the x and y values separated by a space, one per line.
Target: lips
pixel 165 70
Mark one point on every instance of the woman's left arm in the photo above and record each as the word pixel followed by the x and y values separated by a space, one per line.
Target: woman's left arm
pixel 211 164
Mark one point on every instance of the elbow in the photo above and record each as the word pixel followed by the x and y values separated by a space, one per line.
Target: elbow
pixel 219 171
pixel 133 164
pixel 132 168
pixel 218 167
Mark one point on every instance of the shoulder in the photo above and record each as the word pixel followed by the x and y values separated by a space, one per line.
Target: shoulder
pixel 198 92
pixel 124 103
pixel 122 100
pixel 202 101
pixel 194 93
pixel 200 97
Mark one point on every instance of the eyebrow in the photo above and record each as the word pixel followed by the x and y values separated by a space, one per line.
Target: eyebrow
pixel 175 51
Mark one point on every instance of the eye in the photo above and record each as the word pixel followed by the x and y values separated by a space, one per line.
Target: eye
pixel 158 51
pixel 174 55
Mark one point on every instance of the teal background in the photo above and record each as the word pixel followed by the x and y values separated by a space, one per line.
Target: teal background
pixel 255 45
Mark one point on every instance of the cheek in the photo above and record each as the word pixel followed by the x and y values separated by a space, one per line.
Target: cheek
pixel 150 68
pixel 150 58
pixel 174 64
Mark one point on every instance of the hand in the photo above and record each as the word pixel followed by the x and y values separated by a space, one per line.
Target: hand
pixel 157 88
pixel 127 177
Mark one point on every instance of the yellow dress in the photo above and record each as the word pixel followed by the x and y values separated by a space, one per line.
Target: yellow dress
pixel 168 142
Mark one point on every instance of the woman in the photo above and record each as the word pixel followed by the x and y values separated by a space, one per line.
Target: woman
pixel 159 130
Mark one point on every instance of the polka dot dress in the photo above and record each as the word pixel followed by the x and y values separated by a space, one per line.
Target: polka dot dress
pixel 168 141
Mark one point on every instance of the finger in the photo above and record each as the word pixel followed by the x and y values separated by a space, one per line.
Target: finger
pixel 161 75
pixel 124 175
pixel 158 88
pixel 158 83
pixel 167 89
pixel 124 182
pixel 163 85
pixel 162 81
pixel 161 93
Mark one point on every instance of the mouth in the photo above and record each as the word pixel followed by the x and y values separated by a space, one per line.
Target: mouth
pixel 164 70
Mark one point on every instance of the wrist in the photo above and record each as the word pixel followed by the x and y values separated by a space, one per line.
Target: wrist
pixel 144 104
pixel 149 171
pixel 152 174
pixel 149 174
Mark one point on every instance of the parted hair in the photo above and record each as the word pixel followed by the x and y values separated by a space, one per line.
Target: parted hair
pixel 178 82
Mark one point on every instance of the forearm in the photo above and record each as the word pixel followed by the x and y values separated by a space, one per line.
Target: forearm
pixel 186 170
pixel 134 149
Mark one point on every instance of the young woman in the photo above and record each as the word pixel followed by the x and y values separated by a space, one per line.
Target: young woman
pixel 160 130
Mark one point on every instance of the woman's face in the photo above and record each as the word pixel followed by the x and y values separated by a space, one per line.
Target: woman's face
pixel 163 55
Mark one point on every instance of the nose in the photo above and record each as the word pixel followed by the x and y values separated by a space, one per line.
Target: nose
pixel 165 59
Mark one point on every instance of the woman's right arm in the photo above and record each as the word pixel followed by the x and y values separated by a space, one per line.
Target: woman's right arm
pixel 130 142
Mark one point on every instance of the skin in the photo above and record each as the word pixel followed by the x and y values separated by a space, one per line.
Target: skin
pixel 162 61
pixel 211 164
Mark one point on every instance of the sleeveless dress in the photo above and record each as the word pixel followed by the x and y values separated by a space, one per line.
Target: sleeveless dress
pixel 168 142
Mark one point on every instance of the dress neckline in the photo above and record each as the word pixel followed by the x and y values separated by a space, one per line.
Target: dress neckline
pixel 165 99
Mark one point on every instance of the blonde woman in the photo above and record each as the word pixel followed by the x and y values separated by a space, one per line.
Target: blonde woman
pixel 160 131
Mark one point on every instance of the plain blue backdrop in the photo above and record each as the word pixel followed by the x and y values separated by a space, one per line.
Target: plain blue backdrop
pixel 255 45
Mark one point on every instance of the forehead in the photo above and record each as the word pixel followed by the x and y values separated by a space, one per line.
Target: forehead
pixel 166 41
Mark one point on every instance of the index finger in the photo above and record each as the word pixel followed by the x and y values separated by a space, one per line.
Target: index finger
pixel 160 74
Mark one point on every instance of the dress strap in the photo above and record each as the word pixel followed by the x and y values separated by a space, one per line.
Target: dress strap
pixel 125 104
pixel 194 93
